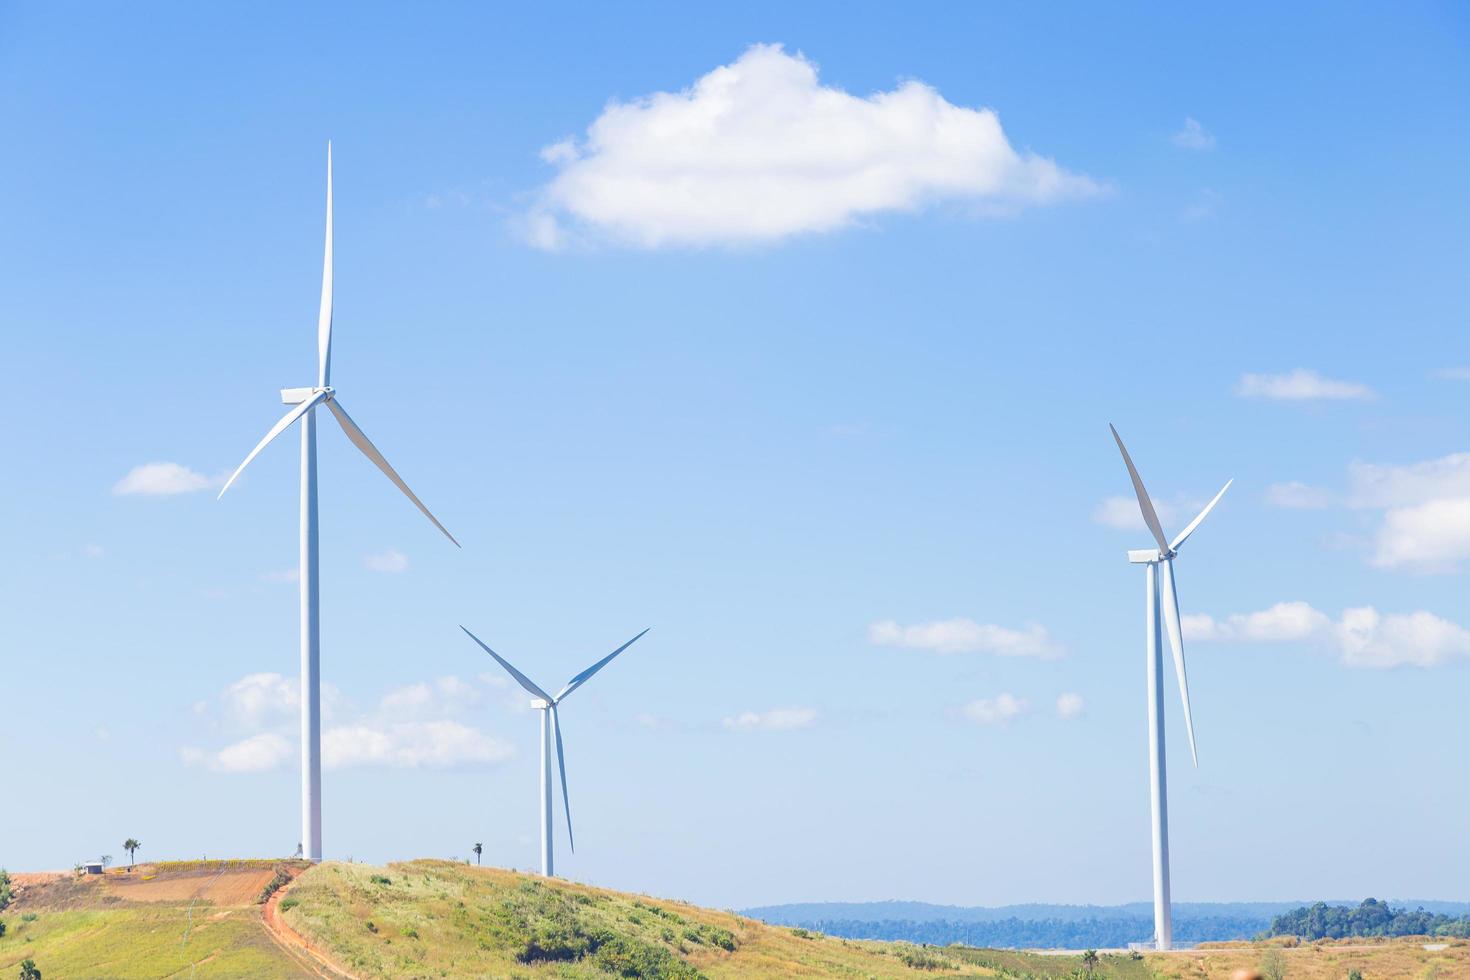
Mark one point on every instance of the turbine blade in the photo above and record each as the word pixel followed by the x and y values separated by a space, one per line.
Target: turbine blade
pixel 524 681
pixel 281 426
pixel 1144 504
pixel 1184 534
pixel 1176 641
pixel 361 441
pixel 561 762
pixel 324 318
pixel 581 678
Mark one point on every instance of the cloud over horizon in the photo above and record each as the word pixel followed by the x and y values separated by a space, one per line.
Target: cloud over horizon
pixel 961 635
pixel 1301 385
pixel 161 480
pixel 759 150
pixel 1361 637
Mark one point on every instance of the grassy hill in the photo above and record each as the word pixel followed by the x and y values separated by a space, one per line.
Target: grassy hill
pixel 441 919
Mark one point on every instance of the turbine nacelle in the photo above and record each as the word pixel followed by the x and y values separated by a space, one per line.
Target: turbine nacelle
pixel 295 396
pixel 1149 556
pixel 539 704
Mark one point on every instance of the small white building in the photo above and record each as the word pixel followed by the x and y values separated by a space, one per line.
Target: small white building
pixel 93 867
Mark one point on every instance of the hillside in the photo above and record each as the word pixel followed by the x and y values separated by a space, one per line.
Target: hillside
pixel 443 919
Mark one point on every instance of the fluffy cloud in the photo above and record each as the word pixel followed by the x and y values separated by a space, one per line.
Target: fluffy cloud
pixel 1069 706
pixel 1362 637
pixel 391 561
pixel 1122 513
pixel 161 479
pixel 1193 136
pixel 966 636
pixel 774 720
pixel 1300 385
pixel 258 753
pixel 1297 496
pixel 411 728
pixel 759 150
pixel 1000 710
pixel 411 745
pixel 1426 520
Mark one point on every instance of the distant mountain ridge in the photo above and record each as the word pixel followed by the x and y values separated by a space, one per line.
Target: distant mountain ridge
pixel 1039 925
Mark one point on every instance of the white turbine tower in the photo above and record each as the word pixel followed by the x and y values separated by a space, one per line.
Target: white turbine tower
pixel 551 728
pixel 1160 565
pixel 306 400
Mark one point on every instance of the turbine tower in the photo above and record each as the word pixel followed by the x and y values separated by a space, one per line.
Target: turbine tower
pixel 551 728
pixel 306 401
pixel 1160 591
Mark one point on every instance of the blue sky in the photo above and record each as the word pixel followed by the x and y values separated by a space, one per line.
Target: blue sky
pixel 808 366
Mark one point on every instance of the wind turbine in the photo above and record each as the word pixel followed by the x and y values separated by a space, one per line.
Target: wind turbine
pixel 306 401
pixel 551 727
pixel 1160 565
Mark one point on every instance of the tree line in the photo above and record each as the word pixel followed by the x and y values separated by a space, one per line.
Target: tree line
pixel 1371 918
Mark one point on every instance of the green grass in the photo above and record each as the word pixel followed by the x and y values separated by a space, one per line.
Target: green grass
pixel 134 943
pixel 441 919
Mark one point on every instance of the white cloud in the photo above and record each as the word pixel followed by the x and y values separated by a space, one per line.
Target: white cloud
pixel 412 727
pixel 443 696
pixel 774 720
pixel 1375 485
pixel 1429 537
pixel 1362 637
pixel 759 150
pixel 161 479
pixel 282 576
pixel 260 700
pixel 1297 496
pixel 1282 623
pixel 1426 520
pixel 1193 136
pixel 440 744
pixel 391 561
pixel 1122 513
pixel 1069 705
pixel 1000 710
pixel 1300 385
pixel 258 753
pixel 966 636
pixel 1367 638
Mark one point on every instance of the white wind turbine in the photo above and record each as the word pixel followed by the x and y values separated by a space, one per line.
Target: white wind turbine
pixel 551 728
pixel 306 400
pixel 1160 564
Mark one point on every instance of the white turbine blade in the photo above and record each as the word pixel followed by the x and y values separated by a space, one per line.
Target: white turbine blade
pixel 524 681
pixel 561 761
pixel 281 426
pixel 362 442
pixel 581 678
pixel 1184 534
pixel 324 318
pixel 1176 641
pixel 1144 504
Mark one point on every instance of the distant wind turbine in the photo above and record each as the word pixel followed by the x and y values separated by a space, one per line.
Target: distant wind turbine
pixel 1160 564
pixel 306 400
pixel 551 727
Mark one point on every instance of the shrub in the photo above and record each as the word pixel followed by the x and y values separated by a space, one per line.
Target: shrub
pixel 4 889
pixel 372 926
pixel 800 933
pixel 28 970
pixel 723 938
pixel 278 881
pixel 2 928
pixel 381 880
pixel 411 932
pixel 917 959
pixel 1273 965
pixel 289 903
pixel 1355 975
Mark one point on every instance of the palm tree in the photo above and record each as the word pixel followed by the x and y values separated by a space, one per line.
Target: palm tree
pixel 1089 961
pixel 28 971
pixel 130 845
pixel 478 848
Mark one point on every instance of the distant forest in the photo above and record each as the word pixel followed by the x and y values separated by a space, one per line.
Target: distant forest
pixel 1372 918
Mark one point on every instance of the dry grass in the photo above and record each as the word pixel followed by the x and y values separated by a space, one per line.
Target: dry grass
pixel 1329 960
